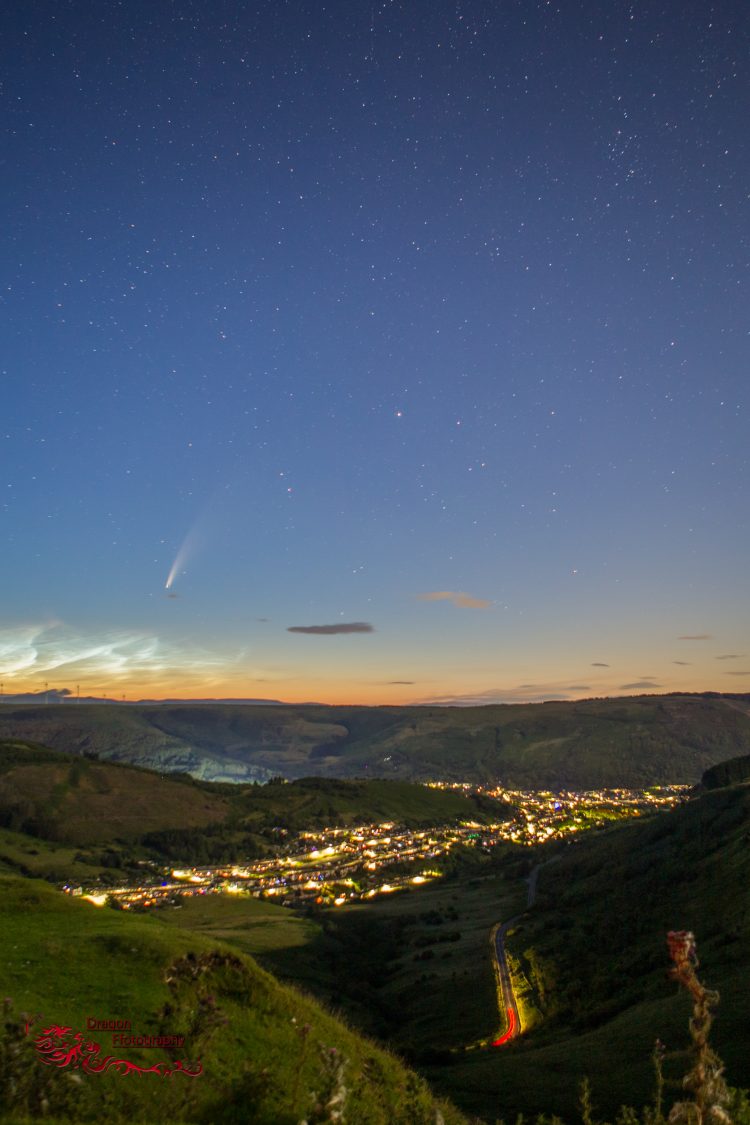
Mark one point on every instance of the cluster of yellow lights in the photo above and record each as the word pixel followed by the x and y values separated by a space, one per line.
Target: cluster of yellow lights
pixel 98 900
pixel 178 874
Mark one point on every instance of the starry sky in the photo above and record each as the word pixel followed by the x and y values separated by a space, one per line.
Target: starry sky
pixel 375 352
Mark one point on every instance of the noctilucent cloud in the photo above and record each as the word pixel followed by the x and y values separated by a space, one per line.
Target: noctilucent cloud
pixel 375 353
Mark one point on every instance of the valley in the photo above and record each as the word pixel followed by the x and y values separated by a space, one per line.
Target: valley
pixel 380 899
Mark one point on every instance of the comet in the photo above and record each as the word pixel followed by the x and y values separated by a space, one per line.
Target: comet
pixel 202 531
pixel 186 551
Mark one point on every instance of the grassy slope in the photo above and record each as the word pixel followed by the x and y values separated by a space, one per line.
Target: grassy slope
pixel 73 799
pixel 67 960
pixel 635 741
pixel 593 949
pixel 21 854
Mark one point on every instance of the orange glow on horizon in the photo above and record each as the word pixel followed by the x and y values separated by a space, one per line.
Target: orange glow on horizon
pixel 327 692
pixel 335 684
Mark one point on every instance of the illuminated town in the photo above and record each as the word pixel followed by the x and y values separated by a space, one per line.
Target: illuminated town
pixel 333 866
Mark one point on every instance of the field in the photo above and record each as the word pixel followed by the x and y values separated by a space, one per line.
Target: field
pixel 41 859
pixel 254 926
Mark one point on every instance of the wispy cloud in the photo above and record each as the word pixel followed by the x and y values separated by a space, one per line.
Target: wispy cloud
pixel 730 656
pixel 331 630
pixel 684 663
pixel 737 673
pixel 639 685
pixel 519 693
pixel 458 597
pixel 695 637
pixel 599 664
pixel 53 648
pixel 389 682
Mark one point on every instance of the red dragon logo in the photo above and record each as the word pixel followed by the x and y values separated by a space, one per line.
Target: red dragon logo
pixel 57 1047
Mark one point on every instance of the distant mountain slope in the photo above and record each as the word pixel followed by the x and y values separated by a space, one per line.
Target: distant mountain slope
pixel 631 742
pixel 266 1051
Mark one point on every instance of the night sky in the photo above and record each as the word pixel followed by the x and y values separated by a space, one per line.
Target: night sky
pixel 382 352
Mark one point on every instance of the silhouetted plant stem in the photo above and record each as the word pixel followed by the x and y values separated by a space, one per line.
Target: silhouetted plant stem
pixel 704 1079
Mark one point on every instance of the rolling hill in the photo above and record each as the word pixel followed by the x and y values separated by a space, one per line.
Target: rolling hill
pixel 71 800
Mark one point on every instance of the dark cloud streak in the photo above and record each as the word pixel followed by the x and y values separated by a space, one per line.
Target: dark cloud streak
pixel 331 630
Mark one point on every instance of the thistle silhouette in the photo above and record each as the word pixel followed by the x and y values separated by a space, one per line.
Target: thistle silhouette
pixel 704 1080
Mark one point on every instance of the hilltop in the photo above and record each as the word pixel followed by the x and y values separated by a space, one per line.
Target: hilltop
pixel 634 742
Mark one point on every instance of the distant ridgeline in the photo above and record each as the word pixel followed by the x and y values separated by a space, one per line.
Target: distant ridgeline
pixel 587 744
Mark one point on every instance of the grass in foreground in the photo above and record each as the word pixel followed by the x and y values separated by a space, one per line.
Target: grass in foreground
pixel 265 1049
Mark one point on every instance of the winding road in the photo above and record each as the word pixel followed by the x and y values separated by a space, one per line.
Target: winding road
pixel 500 964
pixel 504 986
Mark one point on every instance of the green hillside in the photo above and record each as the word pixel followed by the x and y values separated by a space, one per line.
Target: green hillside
pixel 631 741
pixel 74 799
pixel 267 1052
